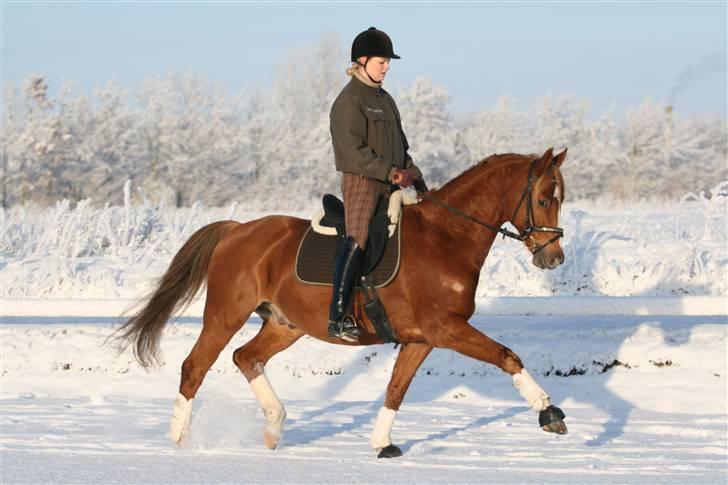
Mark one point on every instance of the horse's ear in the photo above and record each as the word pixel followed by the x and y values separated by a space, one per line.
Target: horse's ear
pixel 544 162
pixel 559 158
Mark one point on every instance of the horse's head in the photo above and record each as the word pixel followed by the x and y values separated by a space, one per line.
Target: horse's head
pixel 536 208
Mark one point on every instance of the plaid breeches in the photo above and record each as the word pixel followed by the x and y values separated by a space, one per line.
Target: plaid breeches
pixel 361 195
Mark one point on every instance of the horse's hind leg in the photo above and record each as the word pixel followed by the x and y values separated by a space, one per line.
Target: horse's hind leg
pixel 274 336
pixel 461 337
pixel 219 324
pixel 408 361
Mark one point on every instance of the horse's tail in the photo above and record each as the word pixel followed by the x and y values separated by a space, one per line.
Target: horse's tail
pixel 176 289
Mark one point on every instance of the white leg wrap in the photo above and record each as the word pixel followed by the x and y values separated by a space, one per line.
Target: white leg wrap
pixel 383 428
pixel 181 416
pixel 531 391
pixel 273 410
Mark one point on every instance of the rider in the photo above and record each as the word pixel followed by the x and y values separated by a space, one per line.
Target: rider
pixel 370 149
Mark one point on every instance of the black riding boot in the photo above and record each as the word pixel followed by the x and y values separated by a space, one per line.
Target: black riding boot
pixel 346 269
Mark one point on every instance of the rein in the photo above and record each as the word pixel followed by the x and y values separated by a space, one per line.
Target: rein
pixel 531 228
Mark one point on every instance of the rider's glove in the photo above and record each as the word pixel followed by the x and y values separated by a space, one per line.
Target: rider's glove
pixel 403 178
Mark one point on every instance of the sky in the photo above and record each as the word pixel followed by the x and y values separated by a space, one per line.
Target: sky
pixel 616 54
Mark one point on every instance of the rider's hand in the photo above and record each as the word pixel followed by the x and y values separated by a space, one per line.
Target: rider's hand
pixel 403 178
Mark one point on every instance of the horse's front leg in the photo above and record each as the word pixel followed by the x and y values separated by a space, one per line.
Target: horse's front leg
pixel 408 361
pixel 460 336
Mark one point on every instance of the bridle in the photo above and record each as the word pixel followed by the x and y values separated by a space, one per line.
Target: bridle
pixel 531 228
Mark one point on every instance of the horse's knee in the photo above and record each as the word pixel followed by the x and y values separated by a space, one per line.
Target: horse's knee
pixel 510 362
pixel 187 370
pixel 189 382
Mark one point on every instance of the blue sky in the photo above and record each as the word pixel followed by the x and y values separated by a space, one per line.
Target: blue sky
pixel 612 53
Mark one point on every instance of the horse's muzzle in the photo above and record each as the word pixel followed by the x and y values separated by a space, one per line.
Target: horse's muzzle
pixel 548 259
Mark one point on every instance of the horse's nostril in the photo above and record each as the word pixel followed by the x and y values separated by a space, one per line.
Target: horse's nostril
pixel 556 261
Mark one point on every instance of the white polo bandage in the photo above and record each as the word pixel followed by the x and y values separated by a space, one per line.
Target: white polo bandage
pixel 269 402
pixel 383 428
pixel 531 391
pixel 179 427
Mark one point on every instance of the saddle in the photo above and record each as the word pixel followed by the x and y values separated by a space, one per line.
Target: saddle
pixel 314 261
pixel 380 264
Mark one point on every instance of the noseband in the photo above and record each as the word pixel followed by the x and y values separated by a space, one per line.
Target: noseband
pixel 531 228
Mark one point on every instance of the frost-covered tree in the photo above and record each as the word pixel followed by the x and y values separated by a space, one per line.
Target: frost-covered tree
pixel 42 158
pixel 501 129
pixel 183 139
pixel 193 137
pixel 12 155
pixel 697 155
pixel 645 150
pixel 561 121
pixel 594 148
pixel 428 126
pixel 111 147
pixel 251 159
pixel 594 162
pixel 297 152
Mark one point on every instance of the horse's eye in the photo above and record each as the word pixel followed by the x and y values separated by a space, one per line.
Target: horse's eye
pixel 544 203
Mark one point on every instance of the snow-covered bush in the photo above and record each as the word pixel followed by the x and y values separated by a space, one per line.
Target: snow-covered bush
pixel 120 250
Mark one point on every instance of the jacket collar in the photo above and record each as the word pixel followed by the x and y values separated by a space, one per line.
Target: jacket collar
pixel 363 83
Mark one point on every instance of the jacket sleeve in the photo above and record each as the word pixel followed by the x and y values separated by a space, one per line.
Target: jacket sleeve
pixel 408 163
pixel 349 134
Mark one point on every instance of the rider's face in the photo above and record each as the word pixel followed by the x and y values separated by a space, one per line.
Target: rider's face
pixel 377 67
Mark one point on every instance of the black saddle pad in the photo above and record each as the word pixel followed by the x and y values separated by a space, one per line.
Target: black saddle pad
pixel 315 258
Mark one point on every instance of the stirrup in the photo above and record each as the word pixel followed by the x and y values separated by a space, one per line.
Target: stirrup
pixel 346 329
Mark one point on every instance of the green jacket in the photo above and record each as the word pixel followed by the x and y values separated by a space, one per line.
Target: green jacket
pixel 367 135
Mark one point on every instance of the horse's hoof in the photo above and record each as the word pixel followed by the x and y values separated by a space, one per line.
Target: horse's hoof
pixel 390 451
pixel 551 419
pixel 270 440
pixel 557 427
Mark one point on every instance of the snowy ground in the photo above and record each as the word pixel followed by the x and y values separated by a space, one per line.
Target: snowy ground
pixel 645 399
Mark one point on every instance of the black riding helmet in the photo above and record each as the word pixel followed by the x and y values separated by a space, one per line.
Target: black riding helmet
pixel 372 43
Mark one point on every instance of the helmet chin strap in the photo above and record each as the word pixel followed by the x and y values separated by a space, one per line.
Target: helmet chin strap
pixel 367 72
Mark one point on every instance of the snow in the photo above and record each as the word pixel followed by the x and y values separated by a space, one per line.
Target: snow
pixel 629 337
pixel 644 398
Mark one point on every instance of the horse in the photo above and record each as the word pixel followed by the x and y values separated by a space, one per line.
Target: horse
pixel 446 237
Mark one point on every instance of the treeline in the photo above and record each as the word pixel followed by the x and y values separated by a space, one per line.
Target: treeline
pixel 182 139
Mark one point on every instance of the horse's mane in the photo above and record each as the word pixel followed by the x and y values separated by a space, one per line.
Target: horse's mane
pixel 488 162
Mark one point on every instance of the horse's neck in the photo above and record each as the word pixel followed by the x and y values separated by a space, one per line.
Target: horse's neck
pixel 477 195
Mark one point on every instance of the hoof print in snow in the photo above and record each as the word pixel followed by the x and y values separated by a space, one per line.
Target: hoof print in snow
pixel 390 451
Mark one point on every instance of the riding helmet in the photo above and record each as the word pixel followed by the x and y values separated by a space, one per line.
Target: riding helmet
pixel 370 43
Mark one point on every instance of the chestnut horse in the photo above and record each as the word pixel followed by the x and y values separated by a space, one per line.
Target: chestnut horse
pixel 249 267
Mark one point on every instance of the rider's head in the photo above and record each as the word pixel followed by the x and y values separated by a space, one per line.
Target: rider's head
pixel 370 53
